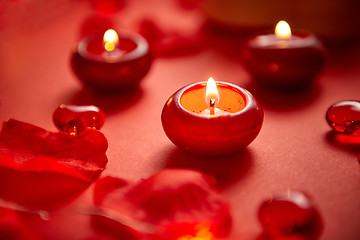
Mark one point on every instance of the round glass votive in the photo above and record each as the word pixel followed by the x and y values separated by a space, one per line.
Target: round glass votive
pixel 234 124
pixel 120 68
pixel 291 63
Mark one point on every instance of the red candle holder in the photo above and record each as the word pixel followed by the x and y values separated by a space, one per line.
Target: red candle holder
pixel 232 124
pixel 284 61
pixel 111 65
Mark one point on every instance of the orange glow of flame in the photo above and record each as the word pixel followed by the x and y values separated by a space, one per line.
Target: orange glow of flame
pixel 283 30
pixel 111 39
pixel 212 94
pixel 202 233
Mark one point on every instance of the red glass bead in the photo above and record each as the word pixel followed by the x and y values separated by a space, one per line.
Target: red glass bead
pixel 344 117
pixel 72 119
pixel 289 213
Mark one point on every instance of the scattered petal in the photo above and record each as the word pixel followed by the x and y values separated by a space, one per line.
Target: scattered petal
pixel 40 169
pixel 108 185
pixel 173 202
pixel 170 43
pixel 190 4
pixel 109 7
pixel 114 229
pixel 12 227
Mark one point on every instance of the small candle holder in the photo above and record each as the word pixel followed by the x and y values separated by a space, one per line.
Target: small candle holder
pixel 284 60
pixel 111 62
pixel 214 122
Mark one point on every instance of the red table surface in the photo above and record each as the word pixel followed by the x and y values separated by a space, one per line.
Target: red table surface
pixel 295 149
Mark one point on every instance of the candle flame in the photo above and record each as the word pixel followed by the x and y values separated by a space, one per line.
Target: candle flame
pixel 202 233
pixel 283 30
pixel 111 39
pixel 212 94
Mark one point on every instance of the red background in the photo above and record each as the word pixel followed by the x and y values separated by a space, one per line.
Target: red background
pixel 295 149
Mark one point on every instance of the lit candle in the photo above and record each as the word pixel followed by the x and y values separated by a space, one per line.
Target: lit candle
pixel 211 118
pixel 283 34
pixel 202 232
pixel 111 42
pixel 212 99
pixel 283 30
pixel 284 59
pixel 112 61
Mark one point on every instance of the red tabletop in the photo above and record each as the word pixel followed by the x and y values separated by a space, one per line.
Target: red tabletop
pixel 295 150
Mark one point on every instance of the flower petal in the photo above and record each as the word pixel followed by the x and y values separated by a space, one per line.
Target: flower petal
pixel 42 168
pixel 167 43
pixel 173 201
pixel 12 227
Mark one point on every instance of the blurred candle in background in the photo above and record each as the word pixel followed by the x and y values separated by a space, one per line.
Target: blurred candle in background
pixel 284 59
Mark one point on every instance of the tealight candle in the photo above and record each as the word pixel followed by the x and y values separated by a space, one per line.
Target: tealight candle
pixel 112 61
pixel 212 119
pixel 285 59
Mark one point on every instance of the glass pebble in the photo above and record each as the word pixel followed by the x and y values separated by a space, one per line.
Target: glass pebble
pixel 289 213
pixel 344 117
pixel 72 119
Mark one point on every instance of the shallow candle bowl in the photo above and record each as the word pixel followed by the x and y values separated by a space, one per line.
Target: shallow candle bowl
pixel 292 66
pixel 109 72
pixel 212 135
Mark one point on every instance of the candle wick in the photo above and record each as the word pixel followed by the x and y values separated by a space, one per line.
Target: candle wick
pixel 212 106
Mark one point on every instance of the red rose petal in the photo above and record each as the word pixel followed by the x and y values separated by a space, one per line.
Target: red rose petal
pixel 284 237
pixel 13 228
pixel 40 168
pixel 95 24
pixel 190 4
pixel 108 7
pixel 174 202
pixel 9 228
pixel 106 225
pixel 114 229
pixel 108 196
pixel 25 147
pixel 108 185
pixel 167 43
